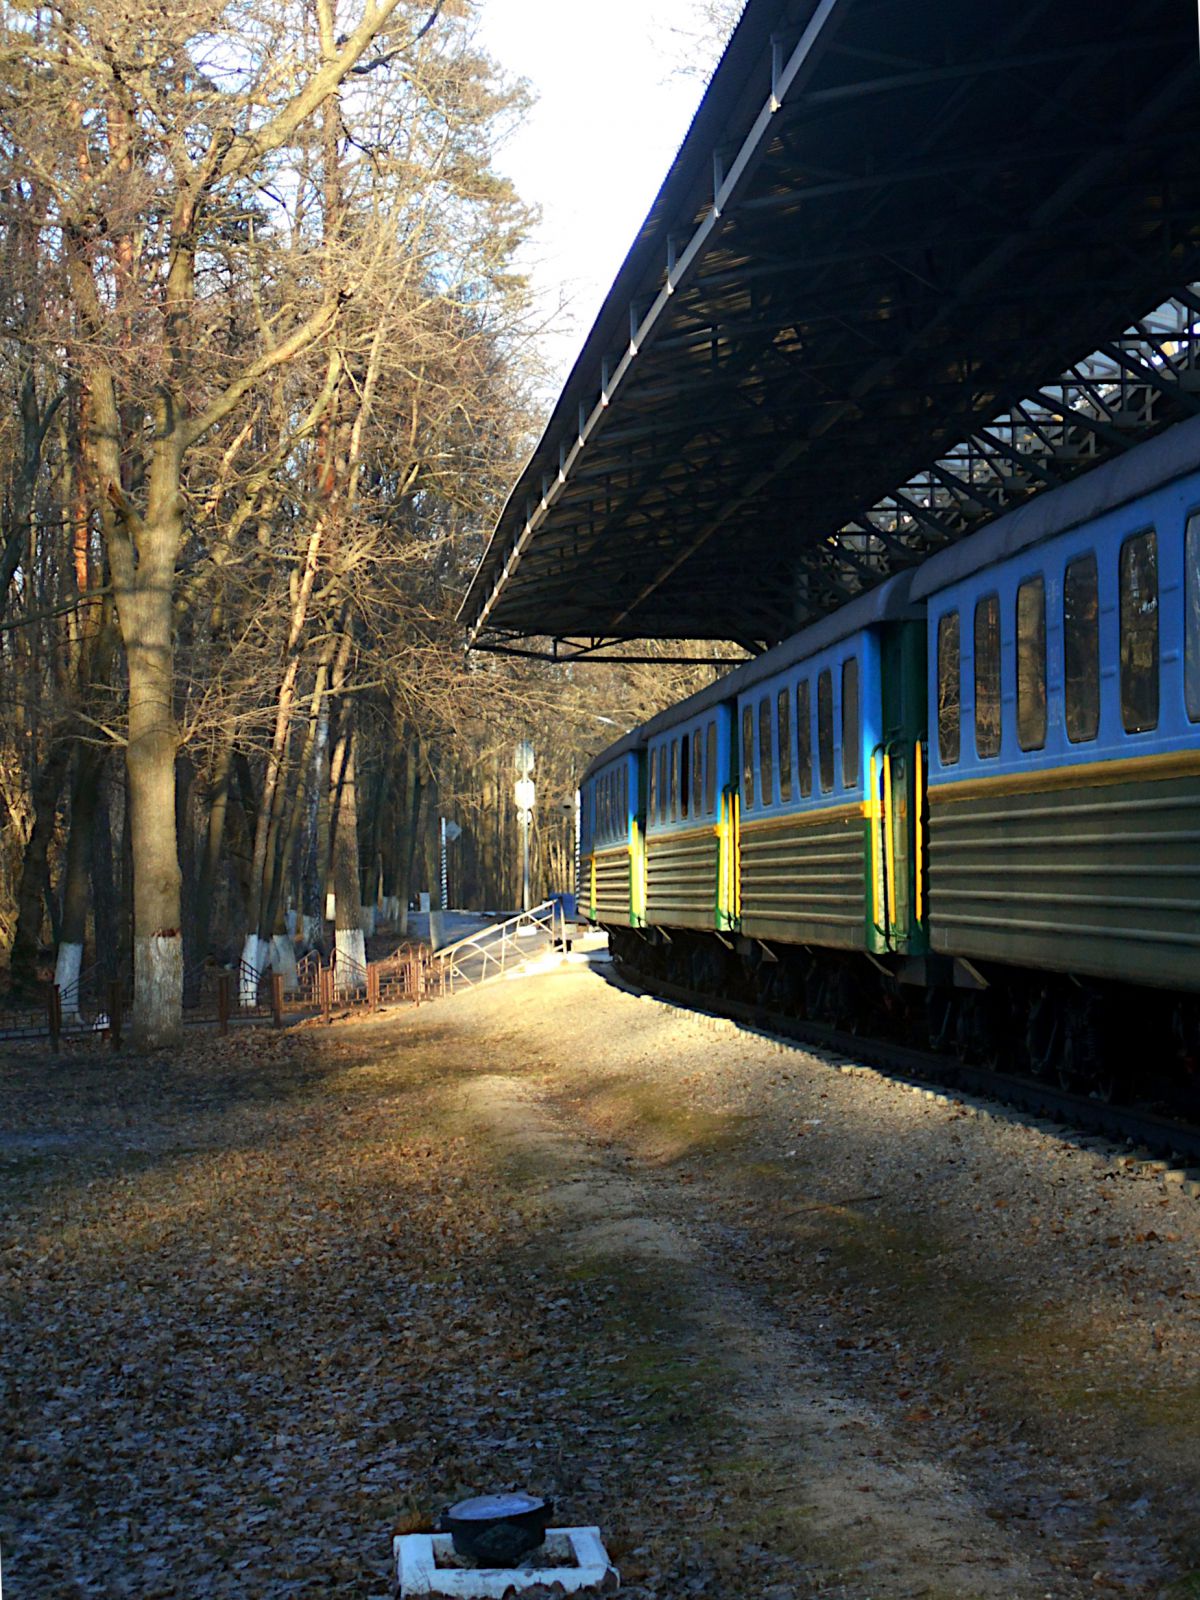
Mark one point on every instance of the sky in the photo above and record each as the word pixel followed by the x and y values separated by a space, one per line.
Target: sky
pixel 611 114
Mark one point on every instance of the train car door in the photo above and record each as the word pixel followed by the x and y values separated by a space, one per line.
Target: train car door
pixel 900 769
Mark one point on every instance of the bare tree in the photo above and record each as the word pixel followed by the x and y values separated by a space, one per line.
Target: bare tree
pixel 173 147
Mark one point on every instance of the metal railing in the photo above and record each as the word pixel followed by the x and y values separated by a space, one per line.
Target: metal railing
pixel 239 993
pixel 492 952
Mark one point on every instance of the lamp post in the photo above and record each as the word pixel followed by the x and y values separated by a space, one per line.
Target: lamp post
pixel 524 794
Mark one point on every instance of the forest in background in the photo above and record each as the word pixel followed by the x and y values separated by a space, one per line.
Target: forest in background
pixel 269 365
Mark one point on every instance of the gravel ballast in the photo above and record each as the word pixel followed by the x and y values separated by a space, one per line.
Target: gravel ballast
pixel 777 1327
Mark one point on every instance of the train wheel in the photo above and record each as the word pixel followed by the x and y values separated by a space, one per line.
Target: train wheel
pixel 1185 1042
pixel 1042 1034
pixel 942 1018
pixel 1091 1057
pixel 980 1032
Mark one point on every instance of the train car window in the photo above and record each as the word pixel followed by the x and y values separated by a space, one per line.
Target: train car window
pixel 674 779
pixel 663 753
pixel 1139 632
pixel 851 761
pixel 1081 649
pixel 949 677
pixel 804 737
pixel 710 770
pixel 1031 664
pixel 766 777
pixel 987 676
pixel 1191 618
pixel 624 800
pixel 697 773
pixel 783 723
pixel 747 756
pixel 825 728
pixel 653 807
pixel 685 774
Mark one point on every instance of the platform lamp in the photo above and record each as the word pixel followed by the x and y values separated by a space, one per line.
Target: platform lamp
pixel 524 793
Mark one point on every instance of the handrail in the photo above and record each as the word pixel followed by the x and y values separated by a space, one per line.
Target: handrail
pixel 538 914
pixel 494 944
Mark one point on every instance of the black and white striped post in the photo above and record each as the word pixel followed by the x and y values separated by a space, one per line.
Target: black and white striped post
pixel 450 832
pixel 524 795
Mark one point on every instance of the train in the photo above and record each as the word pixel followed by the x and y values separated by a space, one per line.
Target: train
pixel 963 810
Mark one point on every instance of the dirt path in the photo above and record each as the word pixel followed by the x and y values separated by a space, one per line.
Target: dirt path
pixel 781 1332
pixel 823 1464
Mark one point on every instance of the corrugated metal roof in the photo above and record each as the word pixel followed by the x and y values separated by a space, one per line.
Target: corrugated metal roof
pixel 891 222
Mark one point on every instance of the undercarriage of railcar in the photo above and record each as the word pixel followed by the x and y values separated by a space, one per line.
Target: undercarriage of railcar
pixel 1115 1041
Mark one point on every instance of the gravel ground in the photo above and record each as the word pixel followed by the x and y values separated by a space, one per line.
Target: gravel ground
pixel 780 1329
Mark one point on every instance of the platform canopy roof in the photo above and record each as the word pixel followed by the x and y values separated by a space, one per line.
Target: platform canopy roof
pixel 915 261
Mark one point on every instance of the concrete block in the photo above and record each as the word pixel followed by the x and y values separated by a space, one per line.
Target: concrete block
pixel 584 1564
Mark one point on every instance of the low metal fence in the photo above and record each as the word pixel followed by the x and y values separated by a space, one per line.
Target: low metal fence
pixel 228 996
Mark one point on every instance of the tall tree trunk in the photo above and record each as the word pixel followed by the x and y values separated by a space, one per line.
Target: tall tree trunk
pixel 218 801
pixel 47 787
pixel 316 842
pixel 89 763
pixel 125 897
pixel 142 551
pixel 146 623
pixel 348 942
pixel 185 833
pixel 406 845
pixel 308 770
pixel 104 891
pixel 264 865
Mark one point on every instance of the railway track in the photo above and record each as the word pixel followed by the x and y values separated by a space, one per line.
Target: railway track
pixel 1148 1133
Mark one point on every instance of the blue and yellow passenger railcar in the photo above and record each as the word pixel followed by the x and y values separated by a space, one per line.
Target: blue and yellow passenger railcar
pixel 806 848
pixel 611 890
pixel 691 817
pixel 1064 783
pixel 829 729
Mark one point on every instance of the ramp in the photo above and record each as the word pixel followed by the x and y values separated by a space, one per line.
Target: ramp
pixel 505 948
